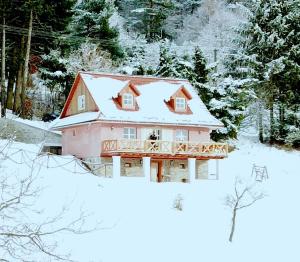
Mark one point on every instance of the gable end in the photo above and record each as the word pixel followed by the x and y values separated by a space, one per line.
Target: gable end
pixel 79 100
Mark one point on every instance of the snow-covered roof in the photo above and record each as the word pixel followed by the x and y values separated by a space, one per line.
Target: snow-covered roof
pixel 75 119
pixel 152 107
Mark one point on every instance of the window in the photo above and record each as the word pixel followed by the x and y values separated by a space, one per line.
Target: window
pixel 128 100
pixel 182 135
pixel 182 166
pixel 81 102
pixel 180 104
pixel 129 133
pixel 127 165
pixel 155 134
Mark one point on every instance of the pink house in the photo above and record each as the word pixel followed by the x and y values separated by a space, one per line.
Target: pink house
pixel 153 128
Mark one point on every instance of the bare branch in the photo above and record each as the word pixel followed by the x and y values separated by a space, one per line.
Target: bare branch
pixel 20 237
pixel 244 196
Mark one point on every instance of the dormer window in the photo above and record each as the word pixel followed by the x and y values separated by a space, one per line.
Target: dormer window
pixel 128 101
pixel 180 104
pixel 126 98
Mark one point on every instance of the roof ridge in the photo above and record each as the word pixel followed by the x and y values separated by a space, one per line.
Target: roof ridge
pixel 133 76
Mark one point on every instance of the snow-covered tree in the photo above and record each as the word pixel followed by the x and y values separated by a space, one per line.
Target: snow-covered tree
pixel 53 74
pixel 147 16
pixel 173 65
pixel 89 57
pixel 91 22
pixel 211 27
pixel 200 66
pixel 228 104
pixel 271 55
pixel 167 63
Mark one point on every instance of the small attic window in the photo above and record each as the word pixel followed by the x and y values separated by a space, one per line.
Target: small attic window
pixel 180 104
pixel 127 100
pixel 81 102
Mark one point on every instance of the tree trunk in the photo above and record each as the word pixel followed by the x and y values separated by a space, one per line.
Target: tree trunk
pixel 232 225
pixel 260 122
pixel 26 66
pixel 281 119
pixel 151 22
pixel 10 89
pixel 11 81
pixel 19 81
pixel 17 95
pixel 272 124
pixel 3 91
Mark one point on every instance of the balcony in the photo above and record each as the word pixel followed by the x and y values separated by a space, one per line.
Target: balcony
pixel 166 148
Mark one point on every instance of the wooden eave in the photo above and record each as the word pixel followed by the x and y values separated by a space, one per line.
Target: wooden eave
pixel 183 90
pixel 161 156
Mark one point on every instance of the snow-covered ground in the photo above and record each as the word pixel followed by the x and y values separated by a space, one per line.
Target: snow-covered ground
pixel 139 221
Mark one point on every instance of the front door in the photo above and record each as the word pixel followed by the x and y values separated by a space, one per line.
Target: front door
pixel 156 171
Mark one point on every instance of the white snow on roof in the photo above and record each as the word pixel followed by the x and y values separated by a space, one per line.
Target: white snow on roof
pixel 152 107
pixel 75 119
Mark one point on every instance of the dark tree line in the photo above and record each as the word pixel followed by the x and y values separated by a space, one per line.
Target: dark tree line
pixel 35 27
pixel 30 27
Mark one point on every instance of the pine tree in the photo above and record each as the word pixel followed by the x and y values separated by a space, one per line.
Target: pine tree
pixel 167 63
pixel 200 67
pixel 200 76
pixel 228 103
pixel 91 20
pixel 148 17
pixel 55 75
pixel 271 42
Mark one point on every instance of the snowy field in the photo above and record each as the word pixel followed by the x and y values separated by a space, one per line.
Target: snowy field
pixel 139 223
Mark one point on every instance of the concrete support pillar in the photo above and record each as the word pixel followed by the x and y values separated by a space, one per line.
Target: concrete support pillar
pixel 147 168
pixel 116 167
pixel 217 168
pixel 192 169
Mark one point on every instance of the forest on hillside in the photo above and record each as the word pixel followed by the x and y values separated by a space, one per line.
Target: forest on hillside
pixel 242 56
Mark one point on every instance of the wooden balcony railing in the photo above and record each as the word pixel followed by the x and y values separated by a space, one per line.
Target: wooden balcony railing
pixel 164 147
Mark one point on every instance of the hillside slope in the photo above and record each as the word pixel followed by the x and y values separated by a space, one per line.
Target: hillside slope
pixel 140 223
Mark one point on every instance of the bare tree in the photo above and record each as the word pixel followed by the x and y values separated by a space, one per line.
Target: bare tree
pixel 28 233
pixel 245 195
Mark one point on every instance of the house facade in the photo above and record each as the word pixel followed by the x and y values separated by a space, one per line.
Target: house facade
pixel 134 126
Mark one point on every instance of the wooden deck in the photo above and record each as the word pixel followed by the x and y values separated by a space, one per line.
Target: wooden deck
pixel 165 149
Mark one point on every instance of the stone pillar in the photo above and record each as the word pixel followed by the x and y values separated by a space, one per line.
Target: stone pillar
pixel 116 167
pixel 147 168
pixel 192 169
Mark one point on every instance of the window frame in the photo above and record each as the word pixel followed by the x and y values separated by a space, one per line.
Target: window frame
pixel 182 135
pixel 129 135
pixel 125 99
pixel 183 102
pixel 81 103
